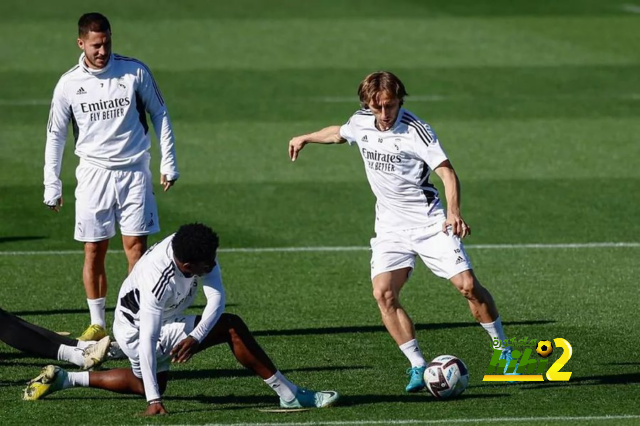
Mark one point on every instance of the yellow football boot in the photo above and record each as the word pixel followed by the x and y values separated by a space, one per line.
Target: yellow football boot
pixel 50 380
pixel 95 332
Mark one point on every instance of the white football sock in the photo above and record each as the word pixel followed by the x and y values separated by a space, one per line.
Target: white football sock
pixel 412 351
pixel 96 309
pixel 85 344
pixel 76 379
pixel 282 386
pixel 71 354
pixel 495 331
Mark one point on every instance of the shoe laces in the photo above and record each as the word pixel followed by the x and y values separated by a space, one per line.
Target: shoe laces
pixel 412 371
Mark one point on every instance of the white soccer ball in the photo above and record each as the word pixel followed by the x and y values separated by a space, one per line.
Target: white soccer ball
pixel 446 377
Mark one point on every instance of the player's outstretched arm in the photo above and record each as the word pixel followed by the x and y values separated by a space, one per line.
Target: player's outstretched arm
pixel 328 135
pixel 451 183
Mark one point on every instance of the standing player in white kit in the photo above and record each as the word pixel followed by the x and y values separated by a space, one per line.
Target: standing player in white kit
pixel 106 98
pixel 399 152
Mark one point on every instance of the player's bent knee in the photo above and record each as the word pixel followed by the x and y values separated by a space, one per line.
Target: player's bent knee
pixel 236 328
pixel 466 284
pixel 386 298
pixel 232 322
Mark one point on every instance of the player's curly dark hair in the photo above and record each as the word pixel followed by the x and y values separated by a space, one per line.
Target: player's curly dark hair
pixel 96 22
pixel 194 243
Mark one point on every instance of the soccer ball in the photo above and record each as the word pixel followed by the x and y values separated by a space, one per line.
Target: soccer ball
pixel 544 348
pixel 446 377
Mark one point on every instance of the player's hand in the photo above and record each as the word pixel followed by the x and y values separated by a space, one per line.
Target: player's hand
pixel 295 145
pixel 156 409
pixel 55 207
pixel 166 183
pixel 456 225
pixel 184 350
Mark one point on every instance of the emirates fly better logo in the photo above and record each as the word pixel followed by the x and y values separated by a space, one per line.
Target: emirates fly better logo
pixel 531 365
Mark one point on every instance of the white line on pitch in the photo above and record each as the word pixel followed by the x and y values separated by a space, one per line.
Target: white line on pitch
pixel 631 8
pixel 441 421
pixel 465 98
pixel 355 248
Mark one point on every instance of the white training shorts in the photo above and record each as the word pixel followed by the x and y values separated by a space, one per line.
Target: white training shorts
pixel 443 254
pixel 172 333
pixel 106 197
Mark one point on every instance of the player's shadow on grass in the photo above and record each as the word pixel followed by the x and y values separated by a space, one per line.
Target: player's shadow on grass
pixel 381 329
pixel 5 383
pixel 608 379
pixel 240 372
pixel 260 401
pixel 621 363
pixel 85 310
pixel 31 364
pixel 228 402
pixel 23 238
pixel 56 311
pixel 351 400
pixel 13 359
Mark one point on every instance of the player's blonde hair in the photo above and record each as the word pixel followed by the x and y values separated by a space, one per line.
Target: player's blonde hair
pixel 378 83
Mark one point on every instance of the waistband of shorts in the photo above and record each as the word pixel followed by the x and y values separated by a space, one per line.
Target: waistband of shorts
pixel 436 225
pixel 142 164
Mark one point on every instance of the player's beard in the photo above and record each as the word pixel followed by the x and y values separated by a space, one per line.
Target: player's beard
pixel 100 62
pixel 95 63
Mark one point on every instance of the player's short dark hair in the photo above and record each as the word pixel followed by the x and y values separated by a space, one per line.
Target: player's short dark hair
pixel 377 83
pixel 194 243
pixel 96 22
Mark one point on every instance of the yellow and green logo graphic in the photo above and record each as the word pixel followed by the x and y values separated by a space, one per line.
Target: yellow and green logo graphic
pixel 529 368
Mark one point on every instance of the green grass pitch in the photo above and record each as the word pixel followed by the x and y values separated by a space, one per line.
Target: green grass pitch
pixel 536 103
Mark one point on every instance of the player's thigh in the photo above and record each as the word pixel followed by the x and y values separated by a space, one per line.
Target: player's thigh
pixel 95 204
pixel 171 334
pixel 443 254
pixel 136 211
pixel 391 251
pixel 128 338
pixel 222 330
pixel 391 281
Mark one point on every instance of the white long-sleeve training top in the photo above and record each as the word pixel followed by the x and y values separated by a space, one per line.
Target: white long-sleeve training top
pixel 107 109
pixel 156 293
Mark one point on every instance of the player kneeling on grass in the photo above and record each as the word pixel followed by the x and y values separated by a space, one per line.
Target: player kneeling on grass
pixel 38 341
pixel 151 329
